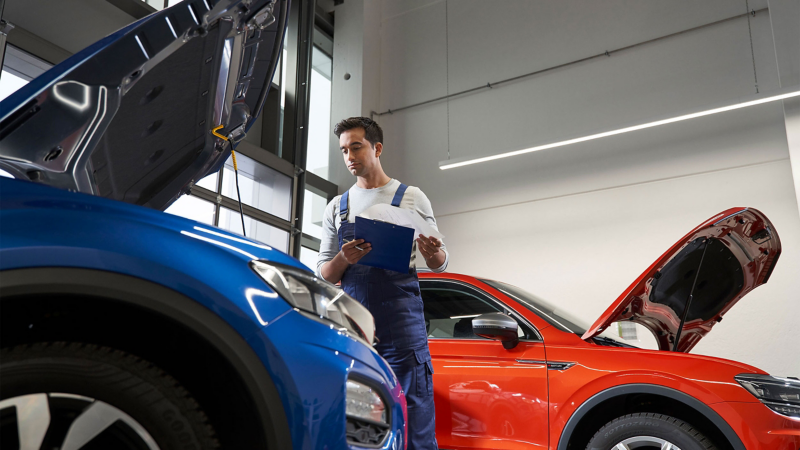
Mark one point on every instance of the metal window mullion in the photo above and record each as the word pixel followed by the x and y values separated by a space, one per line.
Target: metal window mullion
pixel 299 45
pixel 263 156
pixel 294 213
pixel 255 213
pixel 321 186
pixel 310 242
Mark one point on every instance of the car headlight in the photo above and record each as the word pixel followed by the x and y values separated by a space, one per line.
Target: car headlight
pixel 306 292
pixel 781 395
pixel 367 416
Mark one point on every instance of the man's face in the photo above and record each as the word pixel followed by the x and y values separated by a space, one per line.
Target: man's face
pixel 359 154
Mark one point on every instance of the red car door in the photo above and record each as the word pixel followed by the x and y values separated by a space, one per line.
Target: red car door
pixel 486 396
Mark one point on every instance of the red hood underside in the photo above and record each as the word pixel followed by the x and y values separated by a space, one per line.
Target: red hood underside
pixel 698 279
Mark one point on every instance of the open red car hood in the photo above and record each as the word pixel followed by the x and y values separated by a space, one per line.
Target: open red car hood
pixel 708 270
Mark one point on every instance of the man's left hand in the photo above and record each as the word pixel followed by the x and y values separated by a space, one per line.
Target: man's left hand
pixel 429 246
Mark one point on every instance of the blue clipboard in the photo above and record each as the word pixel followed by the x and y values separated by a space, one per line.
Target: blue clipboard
pixel 391 244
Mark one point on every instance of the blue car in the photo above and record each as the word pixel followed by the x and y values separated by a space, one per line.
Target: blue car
pixel 128 328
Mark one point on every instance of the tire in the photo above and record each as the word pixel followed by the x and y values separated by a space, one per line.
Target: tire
pixel 75 395
pixel 648 431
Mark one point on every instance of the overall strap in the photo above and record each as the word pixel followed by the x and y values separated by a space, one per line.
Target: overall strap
pixel 398 196
pixel 344 204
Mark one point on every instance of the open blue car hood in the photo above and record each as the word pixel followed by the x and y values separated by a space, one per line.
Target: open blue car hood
pixel 130 117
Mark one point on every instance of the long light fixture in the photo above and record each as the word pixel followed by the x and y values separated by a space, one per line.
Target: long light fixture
pixel 793 92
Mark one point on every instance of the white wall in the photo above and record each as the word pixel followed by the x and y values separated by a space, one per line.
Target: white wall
pixel 577 224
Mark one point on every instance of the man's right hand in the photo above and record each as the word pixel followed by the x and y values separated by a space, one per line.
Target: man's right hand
pixel 353 251
pixel 349 254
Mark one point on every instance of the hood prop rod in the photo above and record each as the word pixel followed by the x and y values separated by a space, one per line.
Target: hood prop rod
pixel 235 169
pixel 691 296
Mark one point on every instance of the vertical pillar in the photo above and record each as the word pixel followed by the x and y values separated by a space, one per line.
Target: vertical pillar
pixel 355 89
pixel 785 17
pixel 299 43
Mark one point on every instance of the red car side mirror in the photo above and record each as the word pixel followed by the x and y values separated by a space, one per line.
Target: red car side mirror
pixel 497 326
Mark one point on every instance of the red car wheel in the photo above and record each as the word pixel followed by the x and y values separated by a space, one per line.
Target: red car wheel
pixel 645 431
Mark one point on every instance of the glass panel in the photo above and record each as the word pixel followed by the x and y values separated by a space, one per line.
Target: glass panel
pixel 309 258
pixel 230 220
pixel 193 208
pixel 283 99
pixel 22 64
pixel 321 63
pixel 313 210
pixel 276 77
pixel 450 308
pixel 449 312
pixel 9 83
pixel 553 315
pixel 319 115
pixel 157 4
pixel 285 55
pixel 261 187
pixel 209 182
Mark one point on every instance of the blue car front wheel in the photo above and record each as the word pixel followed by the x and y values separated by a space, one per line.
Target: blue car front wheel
pixel 81 396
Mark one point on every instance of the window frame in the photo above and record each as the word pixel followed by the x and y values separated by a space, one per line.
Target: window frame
pixel 492 299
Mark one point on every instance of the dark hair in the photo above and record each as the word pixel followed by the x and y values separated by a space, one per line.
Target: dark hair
pixel 372 131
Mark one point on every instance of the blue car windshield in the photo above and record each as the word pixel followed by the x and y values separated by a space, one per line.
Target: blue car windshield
pixel 549 313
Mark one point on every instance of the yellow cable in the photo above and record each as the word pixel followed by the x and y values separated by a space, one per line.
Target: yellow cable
pixel 235 170
pixel 233 154
pixel 214 132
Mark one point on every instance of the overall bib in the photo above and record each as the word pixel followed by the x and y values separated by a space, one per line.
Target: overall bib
pixel 394 300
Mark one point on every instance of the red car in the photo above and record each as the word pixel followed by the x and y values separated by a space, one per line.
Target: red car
pixel 551 382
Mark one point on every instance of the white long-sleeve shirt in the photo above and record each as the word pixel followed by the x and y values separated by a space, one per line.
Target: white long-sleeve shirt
pixel 360 200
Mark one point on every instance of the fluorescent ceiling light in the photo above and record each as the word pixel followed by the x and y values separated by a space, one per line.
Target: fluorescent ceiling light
pixel 451 164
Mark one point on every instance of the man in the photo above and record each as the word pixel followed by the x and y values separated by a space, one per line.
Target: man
pixel 393 298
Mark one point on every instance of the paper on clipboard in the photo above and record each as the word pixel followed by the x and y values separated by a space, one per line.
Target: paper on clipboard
pixel 402 217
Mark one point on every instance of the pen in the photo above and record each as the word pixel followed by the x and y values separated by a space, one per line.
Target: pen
pixel 357 247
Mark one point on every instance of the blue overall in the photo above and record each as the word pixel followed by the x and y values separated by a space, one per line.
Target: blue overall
pixel 394 300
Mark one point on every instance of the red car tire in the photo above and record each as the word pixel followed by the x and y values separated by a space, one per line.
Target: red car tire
pixel 649 430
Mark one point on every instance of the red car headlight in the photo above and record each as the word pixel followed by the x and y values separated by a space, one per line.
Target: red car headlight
pixel 781 395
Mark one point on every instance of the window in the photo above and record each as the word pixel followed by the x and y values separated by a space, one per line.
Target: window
pixel 551 314
pixel 309 257
pixel 266 196
pixel 261 187
pixel 231 220
pixel 193 208
pixel 313 211
pixel 319 116
pixel 209 182
pixel 159 4
pixel 451 306
pixel 10 83
pixel 19 67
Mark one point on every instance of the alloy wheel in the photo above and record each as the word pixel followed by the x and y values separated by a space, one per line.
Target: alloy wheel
pixel 70 422
pixel 645 443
